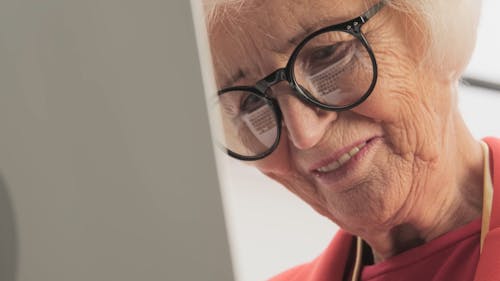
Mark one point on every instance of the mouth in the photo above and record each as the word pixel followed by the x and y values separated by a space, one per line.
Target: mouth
pixel 341 158
pixel 344 158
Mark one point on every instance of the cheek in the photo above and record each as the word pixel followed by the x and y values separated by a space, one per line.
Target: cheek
pixel 397 77
pixel 407 103
pixel 396 91
pixel 280 162
pixel 400 81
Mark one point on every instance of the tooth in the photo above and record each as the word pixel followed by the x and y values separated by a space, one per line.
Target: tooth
pixel 353 151
pixel 344 158
pixel 335 165
pixel 330 167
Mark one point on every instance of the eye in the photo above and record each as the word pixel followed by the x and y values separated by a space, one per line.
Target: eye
pixel 324 52
pixel 251 102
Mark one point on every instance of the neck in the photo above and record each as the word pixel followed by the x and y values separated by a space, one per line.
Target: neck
pixel 451 199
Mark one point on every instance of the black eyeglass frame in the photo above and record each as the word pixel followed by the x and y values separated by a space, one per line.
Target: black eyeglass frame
pixel 353 27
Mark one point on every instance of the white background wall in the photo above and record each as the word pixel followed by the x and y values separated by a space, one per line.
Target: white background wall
pixel 271 230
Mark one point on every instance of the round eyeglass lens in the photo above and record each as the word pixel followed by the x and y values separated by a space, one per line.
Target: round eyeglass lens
pixel 249 123
pixel 335 69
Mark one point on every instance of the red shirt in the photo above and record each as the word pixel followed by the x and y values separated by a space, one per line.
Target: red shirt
pixel 452 256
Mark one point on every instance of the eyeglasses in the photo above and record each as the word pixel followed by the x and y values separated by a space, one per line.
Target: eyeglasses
pixel 333 68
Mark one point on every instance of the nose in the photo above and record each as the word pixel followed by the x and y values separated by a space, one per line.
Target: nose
pixel 305 124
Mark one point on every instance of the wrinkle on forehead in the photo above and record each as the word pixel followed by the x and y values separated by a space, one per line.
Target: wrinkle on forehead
pixel 249 38
pixel 284 24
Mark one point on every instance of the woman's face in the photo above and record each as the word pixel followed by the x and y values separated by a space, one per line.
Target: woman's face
pixel 368 165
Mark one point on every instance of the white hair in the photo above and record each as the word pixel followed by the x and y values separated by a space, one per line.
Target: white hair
pixel 447 27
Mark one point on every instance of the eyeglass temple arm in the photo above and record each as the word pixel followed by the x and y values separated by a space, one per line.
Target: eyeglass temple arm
pixel 372 11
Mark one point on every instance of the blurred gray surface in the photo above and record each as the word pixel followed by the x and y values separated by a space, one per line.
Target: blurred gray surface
pixel 8 238
pixel 106 166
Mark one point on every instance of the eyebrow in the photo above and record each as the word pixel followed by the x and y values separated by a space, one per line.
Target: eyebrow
pixel 237 76
pixel 240 74
pixel 290 43
pixel 312 27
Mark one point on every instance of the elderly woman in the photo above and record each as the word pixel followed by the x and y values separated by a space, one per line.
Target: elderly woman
pixel 352 106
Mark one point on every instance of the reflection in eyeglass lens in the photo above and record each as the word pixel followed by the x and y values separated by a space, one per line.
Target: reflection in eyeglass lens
pixel 252 129
pixel 334 72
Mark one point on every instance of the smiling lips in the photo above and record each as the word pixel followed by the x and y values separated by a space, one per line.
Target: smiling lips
pixel 344 158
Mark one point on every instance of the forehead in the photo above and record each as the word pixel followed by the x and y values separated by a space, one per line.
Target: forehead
pixel 248 38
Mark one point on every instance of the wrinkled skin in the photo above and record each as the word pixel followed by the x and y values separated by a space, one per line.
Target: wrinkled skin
pixel 423 174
